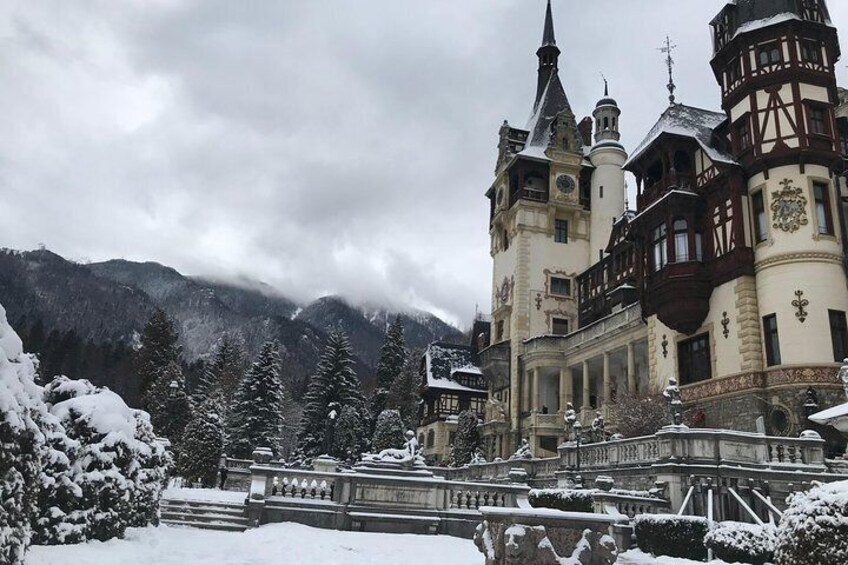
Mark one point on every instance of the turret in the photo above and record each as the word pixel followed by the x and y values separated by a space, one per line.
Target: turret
pixel 606 118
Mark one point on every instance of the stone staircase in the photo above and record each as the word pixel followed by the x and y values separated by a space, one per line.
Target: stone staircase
pixel 222 516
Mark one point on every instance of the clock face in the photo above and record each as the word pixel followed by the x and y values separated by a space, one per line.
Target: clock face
pixel 565 184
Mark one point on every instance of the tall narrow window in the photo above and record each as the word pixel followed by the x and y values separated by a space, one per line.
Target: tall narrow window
pixel 821 192
pixel 810 51
pixel 693 357
pixel 681 241
pixel 838 334
pixel 500 330
pixel 770 54
pixel 760 220
pixel 772 340
pixel 658 244
pixel 743 134
pixel 561 231
pixel 699 246
pixel 505 241
pixel 818 120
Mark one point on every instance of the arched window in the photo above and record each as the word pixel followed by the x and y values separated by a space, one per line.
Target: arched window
pixel 681 240
pixel 658 245
pixel 606 123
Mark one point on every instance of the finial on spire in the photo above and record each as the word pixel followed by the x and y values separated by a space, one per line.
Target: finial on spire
pixel 606 85
pixel 548 35
pixel 667 48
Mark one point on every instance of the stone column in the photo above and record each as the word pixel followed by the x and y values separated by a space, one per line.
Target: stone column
pixel 631 368
pixel 586 390
pixel 534 407
pixel 607 384
pixel 566 387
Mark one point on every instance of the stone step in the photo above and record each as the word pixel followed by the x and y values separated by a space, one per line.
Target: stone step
pixel 206 517
pixel 219 526
pixel 201 509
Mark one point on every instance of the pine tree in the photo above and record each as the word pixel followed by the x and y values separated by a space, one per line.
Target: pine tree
pixel 256 417
pixel 224 372
pixel 158 350
pixel 467 439
pixel 333 387
pixel 388 432
pixel 169 405
pixel 404 396
pixel 203 443
pixel 389 366
pixel 349 437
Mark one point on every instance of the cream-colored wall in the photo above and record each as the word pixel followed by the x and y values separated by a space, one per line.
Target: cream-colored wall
pixel 608 173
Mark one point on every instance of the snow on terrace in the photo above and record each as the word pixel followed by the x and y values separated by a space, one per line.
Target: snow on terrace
pixel 271 544
pixel 444 362
pixel 686 121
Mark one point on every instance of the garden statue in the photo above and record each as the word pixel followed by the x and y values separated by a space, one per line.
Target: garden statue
pixel 523 451
pixel 598 426
pixel 675 405
pixel 408 456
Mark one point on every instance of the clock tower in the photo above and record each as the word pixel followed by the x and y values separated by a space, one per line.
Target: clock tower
pixel 543 232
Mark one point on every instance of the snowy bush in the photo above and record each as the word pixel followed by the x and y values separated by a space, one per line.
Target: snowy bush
pixel 117 463
pixel 467 439
pixel 568 500
pixel 389 432
pixel 741 542
pixel 21 445
pixel 672 535
pixel 203 443
pixel 814 529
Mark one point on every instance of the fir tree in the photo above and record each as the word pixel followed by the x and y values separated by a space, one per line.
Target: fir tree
pixel 158 350
pixel 404 396
pixel 388 432
pixel 256 417
pixel 203 443
pixel 349 436
pixel 224 372
pixel 389 366
pixel 169 404
pixel 467 439
pixel 333 387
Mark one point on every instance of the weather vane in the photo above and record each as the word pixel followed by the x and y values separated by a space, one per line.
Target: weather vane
pixel 606 85
pixel 667 49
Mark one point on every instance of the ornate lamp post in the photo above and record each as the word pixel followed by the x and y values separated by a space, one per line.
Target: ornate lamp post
pixel 573 424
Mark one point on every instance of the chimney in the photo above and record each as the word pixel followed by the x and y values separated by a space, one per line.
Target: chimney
pixel 585 129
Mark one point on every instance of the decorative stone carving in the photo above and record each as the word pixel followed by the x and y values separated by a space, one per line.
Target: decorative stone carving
pixel 664 346
pixel 725 321
pixel 523 451
pixel 800 303
pixel 519 544
pixel 788 207
pixel 408 457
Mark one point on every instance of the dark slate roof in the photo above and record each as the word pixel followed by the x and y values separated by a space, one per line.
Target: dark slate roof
pixel 686 121
pixel 755 14
pixel 551 103
pixel 548 35
pixel 444 360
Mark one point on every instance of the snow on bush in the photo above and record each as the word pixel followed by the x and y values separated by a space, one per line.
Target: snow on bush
pixel 21 444
pixel 745 543
pixel 672 535
pixel 117 463
pixel 203 443
pixel 388 432
pixel 568 500
pixel 814 529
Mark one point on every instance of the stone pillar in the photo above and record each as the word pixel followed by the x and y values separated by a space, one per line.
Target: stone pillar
pixel 586 389
pixel 566 387
pixel 607 384
pixel 534 403
pixel 631 369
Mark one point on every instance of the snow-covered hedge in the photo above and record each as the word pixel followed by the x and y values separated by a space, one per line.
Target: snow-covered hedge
pixel 672 535
pixel 814 529
pixel 118 465
pixel 569 500
pixel 741 542
pixel 21 444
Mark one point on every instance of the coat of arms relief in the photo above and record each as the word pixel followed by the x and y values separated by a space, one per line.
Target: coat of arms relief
pixel 789 207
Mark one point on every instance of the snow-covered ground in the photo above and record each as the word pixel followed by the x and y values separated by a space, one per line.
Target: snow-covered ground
pixel 636 557
pixel 274 544
pixel 204 495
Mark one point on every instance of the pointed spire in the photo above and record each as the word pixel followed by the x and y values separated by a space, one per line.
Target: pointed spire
pixel 606 86
pixel 548 36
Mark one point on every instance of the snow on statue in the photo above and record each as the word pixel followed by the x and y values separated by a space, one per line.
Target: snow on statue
pixel 410 455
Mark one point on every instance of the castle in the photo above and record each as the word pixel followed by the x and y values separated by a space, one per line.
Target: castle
pixel 728 276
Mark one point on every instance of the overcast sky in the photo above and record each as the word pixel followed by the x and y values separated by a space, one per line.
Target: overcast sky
pixel 331 146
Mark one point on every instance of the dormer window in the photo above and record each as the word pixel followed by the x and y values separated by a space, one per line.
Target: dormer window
pixel 770 54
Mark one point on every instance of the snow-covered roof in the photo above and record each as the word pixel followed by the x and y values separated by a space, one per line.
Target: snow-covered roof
pixel 552 102
pixel 686 121
pixel 444 362
pixel 832 415
pixel 663 197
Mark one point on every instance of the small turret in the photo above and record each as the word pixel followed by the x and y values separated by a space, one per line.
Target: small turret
pixel 606 116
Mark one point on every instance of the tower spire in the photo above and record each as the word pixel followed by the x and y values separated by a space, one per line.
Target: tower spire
pixel 548 35
pixel 667 48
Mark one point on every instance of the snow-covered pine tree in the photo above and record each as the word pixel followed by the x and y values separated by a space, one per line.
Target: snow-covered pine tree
pixel 224 372
pixel 350 438
pixel 389 432
pixel 333 386
pixel 389 366
pixel 203 443
pixel 21 445
pixel 158 350
pixel 404 395
pixel 256 417
pixel 169 405
pixel 467 439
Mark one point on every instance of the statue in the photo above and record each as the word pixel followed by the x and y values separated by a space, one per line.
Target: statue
pixel 843 375
pixel 477 458
pixel 598 426
pixel 408 456
pixel 523 451
pixel 675 405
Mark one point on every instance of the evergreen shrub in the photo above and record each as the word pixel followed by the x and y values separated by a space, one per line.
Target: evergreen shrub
pixel 814 528
pixel 568 500
pixel 672 535
pixel 741 542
